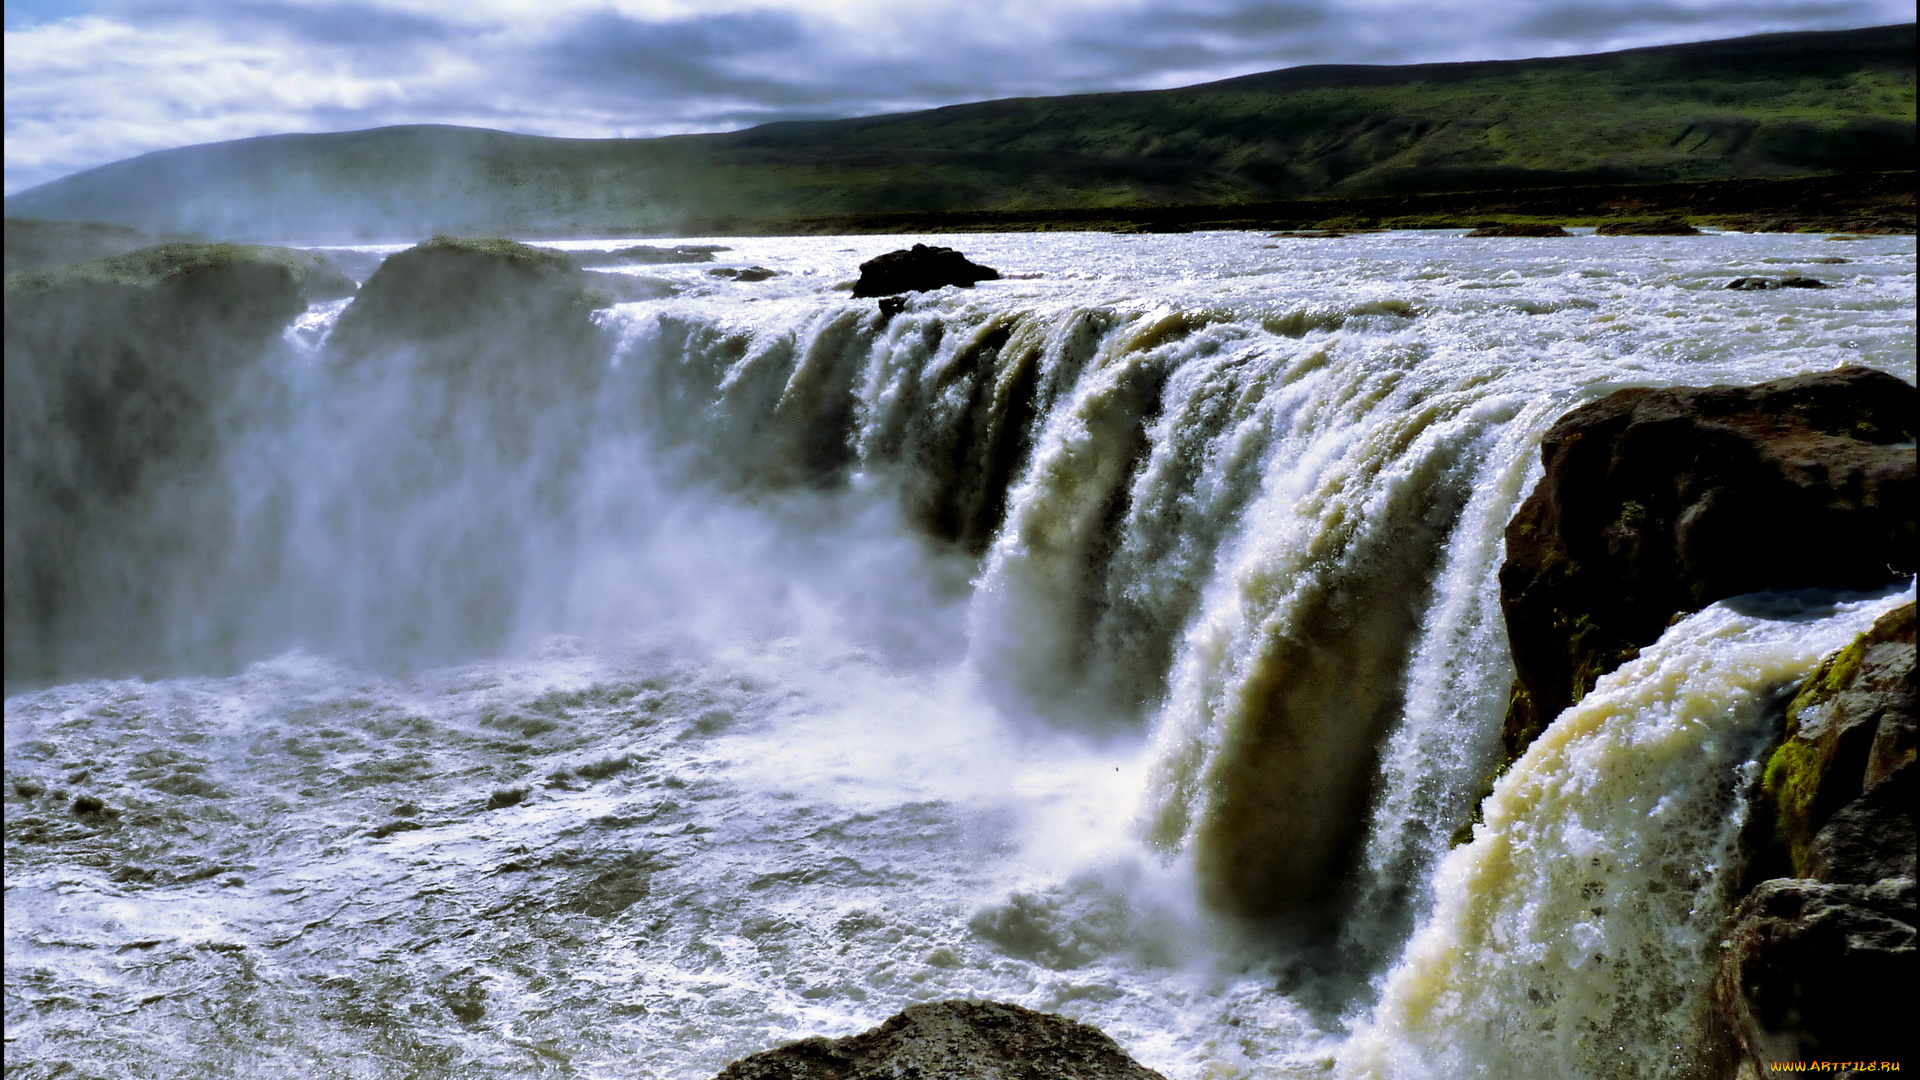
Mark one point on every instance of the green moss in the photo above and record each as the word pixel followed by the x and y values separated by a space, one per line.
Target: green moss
pixel 151 267
pixel 512 251
pixel 1791 782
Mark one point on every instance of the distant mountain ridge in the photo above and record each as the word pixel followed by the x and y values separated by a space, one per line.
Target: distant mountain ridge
pixel 1771 105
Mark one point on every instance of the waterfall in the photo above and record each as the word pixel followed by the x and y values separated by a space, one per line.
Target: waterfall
pixel 1238 532
pixel 1576 935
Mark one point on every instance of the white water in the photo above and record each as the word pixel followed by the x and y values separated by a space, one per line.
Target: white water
pixel 1576 933
pixel 790 764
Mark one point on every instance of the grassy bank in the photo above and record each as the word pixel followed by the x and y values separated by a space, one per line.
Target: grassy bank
pixel 1859 203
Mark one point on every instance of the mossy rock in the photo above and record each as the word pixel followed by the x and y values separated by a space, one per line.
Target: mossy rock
pixel 313 276
pixel 1842 739
pixel 452 286
pixel 1657 227
pixel 1519 230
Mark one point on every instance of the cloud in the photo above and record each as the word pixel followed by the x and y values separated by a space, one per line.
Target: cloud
pixel 93 81
pixel 1595 26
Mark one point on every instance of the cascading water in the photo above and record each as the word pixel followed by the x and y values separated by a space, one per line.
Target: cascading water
pixel 1120 638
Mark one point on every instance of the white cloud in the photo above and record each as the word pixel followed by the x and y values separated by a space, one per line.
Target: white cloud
pixel 143 75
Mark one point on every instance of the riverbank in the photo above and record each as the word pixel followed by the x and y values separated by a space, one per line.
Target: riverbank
pixel 1868 203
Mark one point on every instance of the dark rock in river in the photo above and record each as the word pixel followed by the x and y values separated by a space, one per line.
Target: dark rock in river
pixel 120 373
pixel 952 1040
pixel 1520 231
pixel 1661 227
pixel 747 273
pixel 1755 284
pixel 919 269
pixel 646 255
pixel 1657 502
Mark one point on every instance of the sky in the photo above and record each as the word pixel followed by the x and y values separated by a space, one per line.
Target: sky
pixel 94 81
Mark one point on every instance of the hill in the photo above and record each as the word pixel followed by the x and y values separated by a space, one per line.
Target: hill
pixel 1774 105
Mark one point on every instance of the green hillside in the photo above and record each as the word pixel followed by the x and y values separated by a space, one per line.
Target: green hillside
pixel 1776 105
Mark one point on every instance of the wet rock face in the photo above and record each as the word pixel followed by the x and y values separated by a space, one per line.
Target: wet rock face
pixel 952 1040
pixel 119 375
pixel 1820 958
pixel 1837 794
pixel 1657 502
pixel 918 269
pixel 1821 972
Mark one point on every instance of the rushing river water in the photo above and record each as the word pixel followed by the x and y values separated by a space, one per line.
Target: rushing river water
pixel 1119 638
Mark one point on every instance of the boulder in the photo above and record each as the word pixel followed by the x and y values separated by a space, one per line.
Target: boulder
pixel 743 273
pixel 1657 502
pixel 1659 227
pixel 1813 971
pixel 1520 230
pixel 457 288
pixel 1757 284
pixel 952 1040
pixel 918 269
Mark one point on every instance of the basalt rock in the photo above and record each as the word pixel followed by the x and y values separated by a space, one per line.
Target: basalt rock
pixel 1657 502
pixel 1520 231
pixel 918 269
pixel 1813 971
pixel 1836 797
pixel 1819 962
pixel 952 1040
pixel 1760 284
pixel 648 255
pixel 1660 227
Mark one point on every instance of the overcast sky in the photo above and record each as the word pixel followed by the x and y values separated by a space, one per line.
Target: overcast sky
pixel 93 81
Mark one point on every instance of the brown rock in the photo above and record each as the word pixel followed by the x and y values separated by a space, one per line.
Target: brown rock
pixel 1757 284
pixel 454 287
pixel 1661 227
pixel 952 1040
pixel 1820 972
pixel 1520 231
pixel 1657 502
pixel 1819 963
pixel 1836 798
